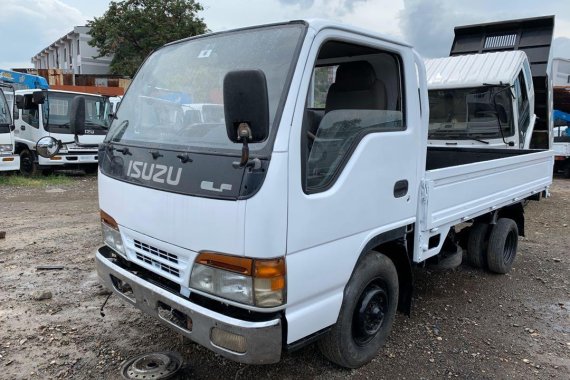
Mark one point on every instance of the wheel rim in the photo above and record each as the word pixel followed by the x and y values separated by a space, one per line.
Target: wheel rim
pixel 370 313
pixel 510 246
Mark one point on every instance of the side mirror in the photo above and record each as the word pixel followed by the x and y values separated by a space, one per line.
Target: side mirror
pixel 77 115
pixel 48 147
pixel 39 97
pixel 20 101
pixel 246 106
pixel 15 114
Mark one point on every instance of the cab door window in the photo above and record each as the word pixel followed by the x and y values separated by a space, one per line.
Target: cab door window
pixel 31 112
pixel 355 91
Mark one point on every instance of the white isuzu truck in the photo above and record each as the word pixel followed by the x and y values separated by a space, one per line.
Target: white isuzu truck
pixel 8 160
pixel 298 217
pixel 46 113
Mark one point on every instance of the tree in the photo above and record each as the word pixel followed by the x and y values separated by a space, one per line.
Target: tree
pixel 131 29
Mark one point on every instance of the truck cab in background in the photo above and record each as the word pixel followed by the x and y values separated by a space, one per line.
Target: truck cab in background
pixel 482 100
pixel 494 91
pixel 47 113
pixel 8 160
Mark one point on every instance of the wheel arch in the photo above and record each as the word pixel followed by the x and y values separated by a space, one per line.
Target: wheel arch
pixel 516 213
pixel 393 244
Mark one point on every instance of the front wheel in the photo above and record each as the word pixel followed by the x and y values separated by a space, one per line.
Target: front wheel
pixel 28 165
pixel 367 313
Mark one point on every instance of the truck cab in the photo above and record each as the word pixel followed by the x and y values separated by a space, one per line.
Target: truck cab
pixel 8 160
pixel 47 113
pixel 484 100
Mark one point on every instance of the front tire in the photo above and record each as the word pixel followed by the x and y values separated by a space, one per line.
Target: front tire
pixel 503 244
pixel 28 165
pixel 367 313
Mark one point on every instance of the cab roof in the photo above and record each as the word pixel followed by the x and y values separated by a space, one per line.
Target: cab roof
pixel 474 70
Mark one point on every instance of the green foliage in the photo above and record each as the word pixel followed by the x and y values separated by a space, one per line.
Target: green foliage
pixel 131 29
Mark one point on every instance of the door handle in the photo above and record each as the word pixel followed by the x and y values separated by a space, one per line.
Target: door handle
pixel 401 188
pixel 23 127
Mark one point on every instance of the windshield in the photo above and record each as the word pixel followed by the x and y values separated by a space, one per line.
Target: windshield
pixel 5 116
pixel 470 113
pixel 176 99
pixel 58 105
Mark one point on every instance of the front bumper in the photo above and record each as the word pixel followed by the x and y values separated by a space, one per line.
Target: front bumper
pixel 263 340
pixel 9 163
pixel 69 159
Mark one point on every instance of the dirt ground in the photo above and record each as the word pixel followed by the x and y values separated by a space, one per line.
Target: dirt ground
pixel 466 323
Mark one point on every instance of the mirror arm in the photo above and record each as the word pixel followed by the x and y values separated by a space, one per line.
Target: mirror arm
pixel 244 134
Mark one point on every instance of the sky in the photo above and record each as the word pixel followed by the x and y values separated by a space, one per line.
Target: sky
pixel 28 26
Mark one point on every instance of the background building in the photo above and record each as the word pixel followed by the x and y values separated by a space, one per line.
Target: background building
pixel 72 54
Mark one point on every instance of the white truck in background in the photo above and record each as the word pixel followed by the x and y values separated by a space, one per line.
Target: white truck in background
pixel 494 90
pixel 482 100
pixel 292 221
pixel 47 113
pixel 8 160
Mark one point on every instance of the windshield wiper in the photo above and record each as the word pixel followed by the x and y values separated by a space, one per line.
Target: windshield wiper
pixel 476 139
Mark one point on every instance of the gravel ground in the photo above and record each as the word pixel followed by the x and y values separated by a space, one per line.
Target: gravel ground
pixel 466 323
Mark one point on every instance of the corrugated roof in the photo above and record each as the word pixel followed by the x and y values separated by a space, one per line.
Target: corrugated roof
pixel 473 70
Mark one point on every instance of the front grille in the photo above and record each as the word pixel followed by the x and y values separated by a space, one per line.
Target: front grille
pixel 156 252
pixel 158 264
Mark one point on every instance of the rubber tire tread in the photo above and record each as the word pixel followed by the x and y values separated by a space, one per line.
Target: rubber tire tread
pixel 338 345
pixel 35 170
pixel 497 239
pixel 477 245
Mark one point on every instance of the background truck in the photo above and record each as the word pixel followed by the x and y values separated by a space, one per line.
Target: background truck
pixel 494 89
pixel 561 115
pixel 47 113
pixel 293 221
pixel 8 160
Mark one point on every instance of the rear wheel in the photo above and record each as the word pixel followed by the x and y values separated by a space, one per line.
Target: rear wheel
pixel 503 244
pixel 367 313
pixel 28 166
pixel 477 245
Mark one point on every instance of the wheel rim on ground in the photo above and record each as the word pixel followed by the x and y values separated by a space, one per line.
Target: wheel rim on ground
pixel 370 313
pixel 154 365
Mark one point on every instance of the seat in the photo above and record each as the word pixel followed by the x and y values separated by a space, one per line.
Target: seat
pixel 356 87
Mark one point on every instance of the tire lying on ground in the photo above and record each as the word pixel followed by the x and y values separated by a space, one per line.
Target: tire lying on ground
pixel 502 246
pixel 367 313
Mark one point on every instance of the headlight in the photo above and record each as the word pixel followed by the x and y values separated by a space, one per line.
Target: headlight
pixel 250 281
pixel 111 235
pixel 5 148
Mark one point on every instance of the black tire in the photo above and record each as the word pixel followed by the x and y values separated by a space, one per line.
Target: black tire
pixel 502 248
pixel 91 169
pixel 567 169
pixel 28 164
pixel 367 313
pixel 477 245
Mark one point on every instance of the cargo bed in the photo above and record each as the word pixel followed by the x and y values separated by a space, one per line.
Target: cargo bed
pixel 463 183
